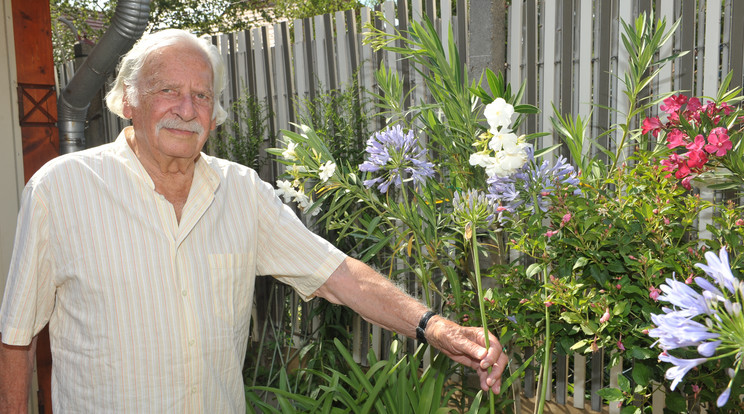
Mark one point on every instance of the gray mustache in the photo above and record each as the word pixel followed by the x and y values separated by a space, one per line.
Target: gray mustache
pixel 191 126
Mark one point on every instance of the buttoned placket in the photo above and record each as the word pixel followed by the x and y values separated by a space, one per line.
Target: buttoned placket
pixel 200 198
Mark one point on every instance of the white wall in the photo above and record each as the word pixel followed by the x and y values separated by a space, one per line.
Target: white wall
pixel 11 151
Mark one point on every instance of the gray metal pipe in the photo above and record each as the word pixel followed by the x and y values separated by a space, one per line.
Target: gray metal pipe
pixel 127 25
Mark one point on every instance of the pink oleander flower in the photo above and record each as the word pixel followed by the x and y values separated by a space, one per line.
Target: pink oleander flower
pixel 696 159
pixel 605 317
pixel 697 144
pixel 676 138
pixel 566 218
pixel 718 142
pixel 653 293
pixel 551 233
pixel 652 125
pixel 673 103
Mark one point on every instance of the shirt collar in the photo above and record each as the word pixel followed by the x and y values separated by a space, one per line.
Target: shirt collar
pixel 203 172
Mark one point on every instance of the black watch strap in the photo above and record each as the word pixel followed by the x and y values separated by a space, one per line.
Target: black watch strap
pixel 421 328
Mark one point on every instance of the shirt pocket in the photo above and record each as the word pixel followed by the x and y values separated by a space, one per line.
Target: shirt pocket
pixel 232 288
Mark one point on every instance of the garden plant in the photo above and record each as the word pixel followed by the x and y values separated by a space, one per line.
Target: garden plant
pixel 600 251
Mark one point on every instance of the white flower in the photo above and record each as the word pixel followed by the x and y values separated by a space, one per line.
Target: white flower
pixel 507 161
pixel 290 153
pixel 480 158
pixel 284 188
pixel 302 200
pixel 326 171
pixel 503 139
pixel 499 113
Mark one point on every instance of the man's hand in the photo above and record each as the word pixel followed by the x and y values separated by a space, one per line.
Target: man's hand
pixel 467 345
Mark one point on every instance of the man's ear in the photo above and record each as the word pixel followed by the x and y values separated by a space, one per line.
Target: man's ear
pixel 126 108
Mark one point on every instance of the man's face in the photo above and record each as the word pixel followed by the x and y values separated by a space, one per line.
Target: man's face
pixel 173 115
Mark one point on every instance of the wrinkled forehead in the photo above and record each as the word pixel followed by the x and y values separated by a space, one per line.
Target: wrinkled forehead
pixel 182 62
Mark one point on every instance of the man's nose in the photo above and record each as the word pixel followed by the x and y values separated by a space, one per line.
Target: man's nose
pixel 185 107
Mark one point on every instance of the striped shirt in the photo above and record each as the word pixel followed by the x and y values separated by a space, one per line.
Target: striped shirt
pixel 147 314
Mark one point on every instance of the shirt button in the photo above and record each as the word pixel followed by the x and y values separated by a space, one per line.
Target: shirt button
pixel 192 342
pixel 183 292
pixel 193 390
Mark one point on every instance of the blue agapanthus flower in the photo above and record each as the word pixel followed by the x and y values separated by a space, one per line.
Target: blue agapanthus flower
pixel 395 157
pixel 531 185
pixel 473 208
pixel 707 320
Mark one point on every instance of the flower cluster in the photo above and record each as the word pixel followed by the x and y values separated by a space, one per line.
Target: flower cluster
pixel 473 208
pixel 530 185
pixel 696 132
pixel 709 320
pixel 502 152
pixel 396 157
pixel 294 190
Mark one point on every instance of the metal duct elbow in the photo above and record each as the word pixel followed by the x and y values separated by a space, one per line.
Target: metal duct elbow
pixel 127 25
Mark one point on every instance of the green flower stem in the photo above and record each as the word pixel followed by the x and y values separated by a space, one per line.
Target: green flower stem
pixel 544 377
pixel 476 264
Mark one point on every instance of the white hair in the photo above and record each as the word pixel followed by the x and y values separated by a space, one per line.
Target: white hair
pixel 127 82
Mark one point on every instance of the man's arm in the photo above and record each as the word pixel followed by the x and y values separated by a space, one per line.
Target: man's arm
pixel 17 364
pixel 377 300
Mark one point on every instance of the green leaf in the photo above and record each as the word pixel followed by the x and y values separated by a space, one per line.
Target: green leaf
pixel 641 373
pixel 580 262
pixel 571 317
pixel 623 382
pixel 611 394
pixel 533 269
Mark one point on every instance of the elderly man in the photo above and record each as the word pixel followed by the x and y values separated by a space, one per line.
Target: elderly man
pixel 141 256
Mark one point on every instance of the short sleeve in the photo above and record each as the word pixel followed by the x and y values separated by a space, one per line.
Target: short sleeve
pixel 29 291
pixel 289 251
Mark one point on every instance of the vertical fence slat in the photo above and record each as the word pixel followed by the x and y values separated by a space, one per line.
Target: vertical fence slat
pixel 665 81
pixel 351 40
pixel 615 370
pixel 319 54
pixel 737 39
pixel 565 104
pixel 330 52
pixel 417 10
pixel 583 81
pixel 602 70
pixel 405 68
pixel 597 379
pixel 307 35
pixel 579 381
pixel 625 14
pixel 302 65
pixel 462 33
pixel 445 8
pixel 342 56
pixel 531 89
pixel 281 78
pixel 368 65
pixel 686 66
pixel 547 87
pixel 561 379
pixel 658 398
pixel 388 10
pixel 514 44
pixel 711 52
